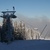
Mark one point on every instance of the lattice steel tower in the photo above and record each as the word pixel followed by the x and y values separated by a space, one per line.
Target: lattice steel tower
pixel 7 27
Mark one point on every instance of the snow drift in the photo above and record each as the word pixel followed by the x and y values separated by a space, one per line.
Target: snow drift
pixel 26 45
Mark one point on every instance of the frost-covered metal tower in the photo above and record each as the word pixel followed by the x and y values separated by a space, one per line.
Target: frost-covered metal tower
pixel 7 27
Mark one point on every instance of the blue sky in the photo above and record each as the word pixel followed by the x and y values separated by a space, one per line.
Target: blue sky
pixel 28 8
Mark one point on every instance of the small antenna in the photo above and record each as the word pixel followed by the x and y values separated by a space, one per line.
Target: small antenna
pixel 13 8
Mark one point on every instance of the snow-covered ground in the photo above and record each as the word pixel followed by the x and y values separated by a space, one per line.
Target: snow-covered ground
pixel 26 45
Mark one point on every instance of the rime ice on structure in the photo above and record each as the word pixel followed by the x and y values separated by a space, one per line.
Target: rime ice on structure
pixel 7 32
